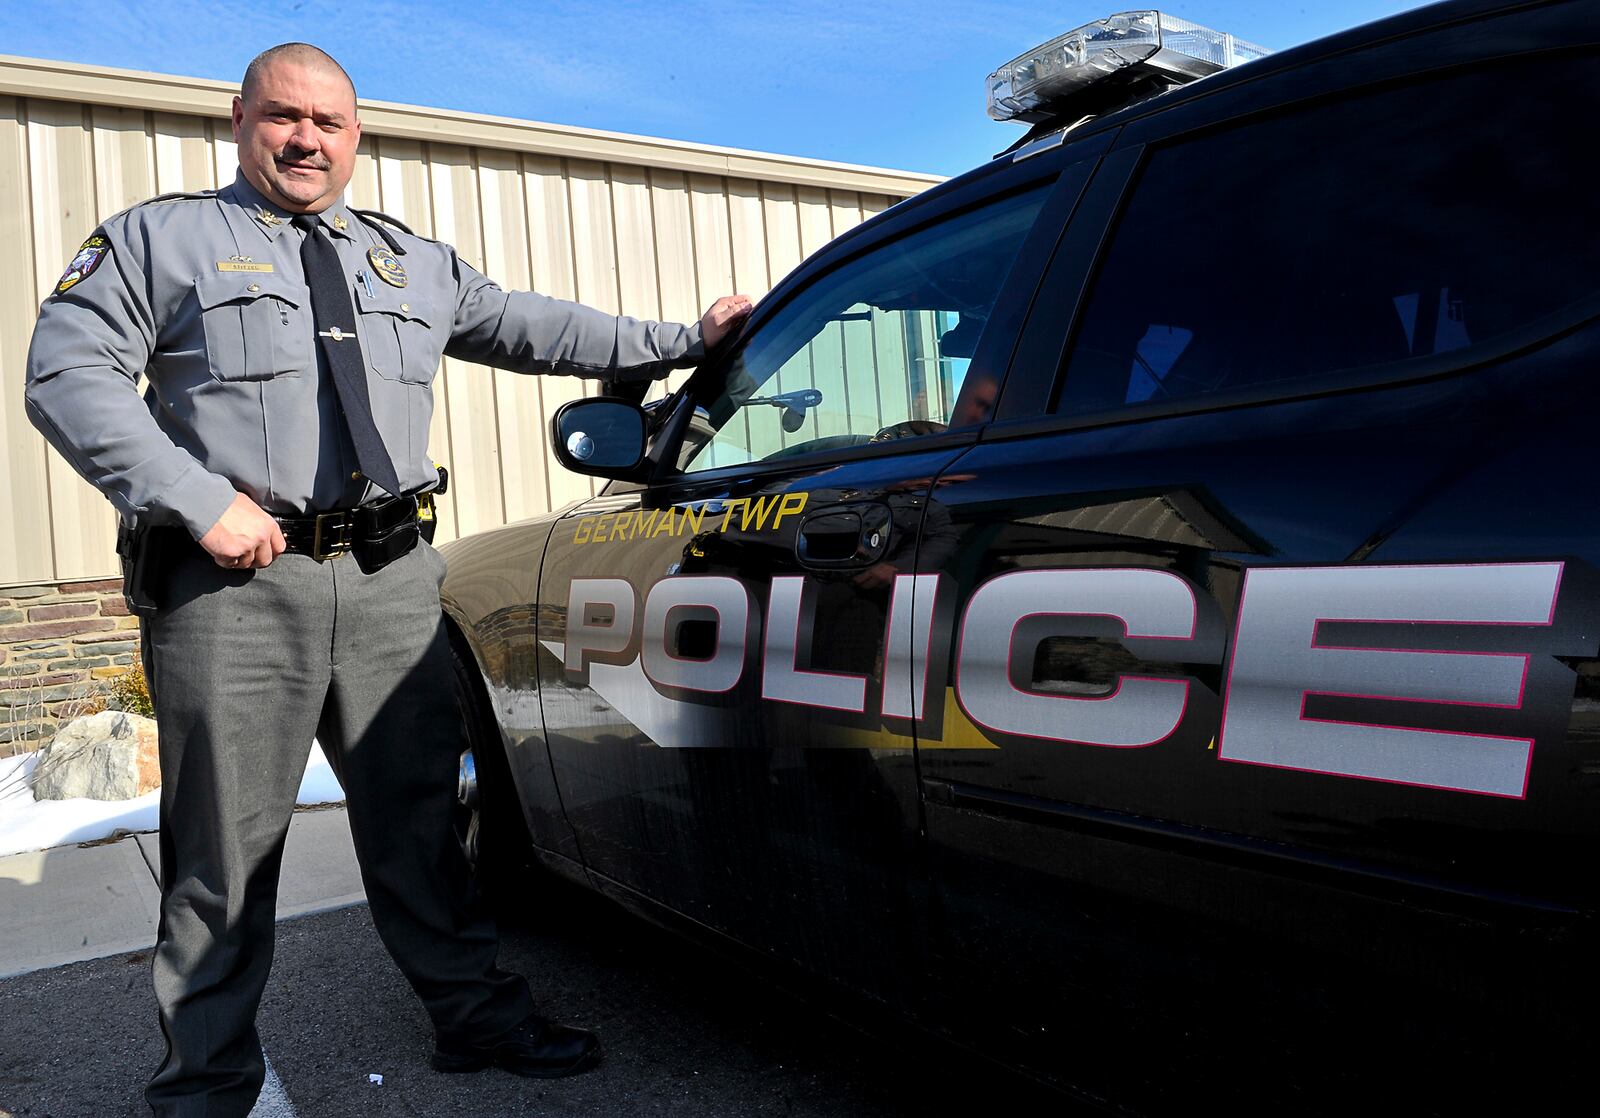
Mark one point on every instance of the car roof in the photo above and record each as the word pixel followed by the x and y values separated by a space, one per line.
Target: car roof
pixel 1427 18
pixel 1405 24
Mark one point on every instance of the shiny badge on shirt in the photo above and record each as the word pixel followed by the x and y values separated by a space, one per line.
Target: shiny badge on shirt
pixel 387 266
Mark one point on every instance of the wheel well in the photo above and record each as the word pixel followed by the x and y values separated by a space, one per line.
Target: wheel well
pixel 470 672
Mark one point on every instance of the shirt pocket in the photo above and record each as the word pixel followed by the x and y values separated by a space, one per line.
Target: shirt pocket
pixel 399 335
pixel 254 325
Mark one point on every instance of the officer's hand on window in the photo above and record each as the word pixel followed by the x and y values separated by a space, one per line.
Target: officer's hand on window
pixel 245 538
pixel 726 313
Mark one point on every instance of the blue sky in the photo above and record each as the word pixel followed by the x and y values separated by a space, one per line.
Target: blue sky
pixel 895 84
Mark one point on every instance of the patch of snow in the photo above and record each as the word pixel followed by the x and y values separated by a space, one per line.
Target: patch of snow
pixel 26 824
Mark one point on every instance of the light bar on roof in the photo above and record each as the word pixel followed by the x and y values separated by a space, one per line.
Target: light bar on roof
pixel 1030 86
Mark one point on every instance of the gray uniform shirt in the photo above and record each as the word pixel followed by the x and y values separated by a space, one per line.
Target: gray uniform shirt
pixel 205 296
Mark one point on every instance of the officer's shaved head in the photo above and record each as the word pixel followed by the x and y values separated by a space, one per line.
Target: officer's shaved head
pixel 301 54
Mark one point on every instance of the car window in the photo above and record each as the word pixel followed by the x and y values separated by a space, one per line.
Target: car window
pixel 1395 225
pixel 875 350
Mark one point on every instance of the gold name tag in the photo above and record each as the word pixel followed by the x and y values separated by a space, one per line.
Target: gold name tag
pixel 238 266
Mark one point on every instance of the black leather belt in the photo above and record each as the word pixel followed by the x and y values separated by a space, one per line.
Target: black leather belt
pixel 377 534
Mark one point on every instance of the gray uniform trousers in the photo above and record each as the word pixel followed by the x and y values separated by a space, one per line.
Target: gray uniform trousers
pixel 245 667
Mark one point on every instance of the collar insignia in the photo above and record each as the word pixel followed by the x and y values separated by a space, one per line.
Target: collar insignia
pixel 267 217
pixel 340 223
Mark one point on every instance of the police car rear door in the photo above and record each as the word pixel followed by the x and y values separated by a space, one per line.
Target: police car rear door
pixel 1250 722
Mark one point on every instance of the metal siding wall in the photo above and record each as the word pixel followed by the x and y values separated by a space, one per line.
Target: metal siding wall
pixel 647 242
pixel 26 548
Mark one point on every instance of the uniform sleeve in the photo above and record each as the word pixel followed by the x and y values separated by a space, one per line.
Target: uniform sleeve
pixel 90 344
pixel 531 333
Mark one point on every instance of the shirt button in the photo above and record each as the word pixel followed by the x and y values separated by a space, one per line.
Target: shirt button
pixel 355 476
pixel 405 306
pixel 254 287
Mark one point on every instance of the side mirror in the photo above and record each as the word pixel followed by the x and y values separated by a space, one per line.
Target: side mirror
pixel 603 436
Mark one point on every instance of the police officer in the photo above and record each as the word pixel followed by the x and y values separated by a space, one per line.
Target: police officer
pixel 289 343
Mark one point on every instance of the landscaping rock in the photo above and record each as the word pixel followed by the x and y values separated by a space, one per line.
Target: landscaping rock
pixel 107 756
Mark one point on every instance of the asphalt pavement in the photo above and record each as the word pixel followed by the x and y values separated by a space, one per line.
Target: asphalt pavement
pixel 686 1033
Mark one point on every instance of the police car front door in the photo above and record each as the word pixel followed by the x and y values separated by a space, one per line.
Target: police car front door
pixel 717 645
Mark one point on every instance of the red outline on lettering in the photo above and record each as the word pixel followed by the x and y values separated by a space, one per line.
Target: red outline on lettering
pixel 1194 618
pixel 766 657
pixel 744 654
pixel 919 703
pixel 667 625
pixel 580 674
pixel 888 634
pixel 1527 768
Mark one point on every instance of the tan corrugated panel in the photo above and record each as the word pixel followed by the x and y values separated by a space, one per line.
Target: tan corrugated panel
pixel 649 228
pixel 594 258
pixel 519 426
pixel 555 273
pixel 816 219
pixel 783 229
pixel 184 157
pixel 846 206
pixel 124 158
pixel 364 193
pixel 467 390
pixel 639 291
pixel 748 230
pixel 681 300
pixel 225 154
pixel 675 258
pixel 633 216
pixel 713 241
pixel 65 210
pixel 26 548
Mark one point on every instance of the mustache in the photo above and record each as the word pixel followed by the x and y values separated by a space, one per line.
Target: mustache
pixel 296 155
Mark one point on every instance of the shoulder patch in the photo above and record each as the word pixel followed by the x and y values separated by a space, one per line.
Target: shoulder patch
pixel 83 265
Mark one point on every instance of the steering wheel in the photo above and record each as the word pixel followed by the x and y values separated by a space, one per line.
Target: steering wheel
pixel 810 446
pixel 909 429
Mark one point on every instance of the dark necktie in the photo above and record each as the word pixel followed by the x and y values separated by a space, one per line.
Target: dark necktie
pixel 335 323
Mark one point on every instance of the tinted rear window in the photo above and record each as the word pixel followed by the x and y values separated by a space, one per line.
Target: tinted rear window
pixel 1385 227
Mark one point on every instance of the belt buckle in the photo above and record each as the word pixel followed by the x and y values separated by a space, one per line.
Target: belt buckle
pixel 339 546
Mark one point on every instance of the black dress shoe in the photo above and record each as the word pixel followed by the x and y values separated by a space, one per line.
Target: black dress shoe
pixel 536 1048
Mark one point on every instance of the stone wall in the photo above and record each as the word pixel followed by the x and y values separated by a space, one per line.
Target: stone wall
pixel 59 643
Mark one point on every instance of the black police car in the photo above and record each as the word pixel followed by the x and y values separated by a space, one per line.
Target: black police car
pixel 1131 609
